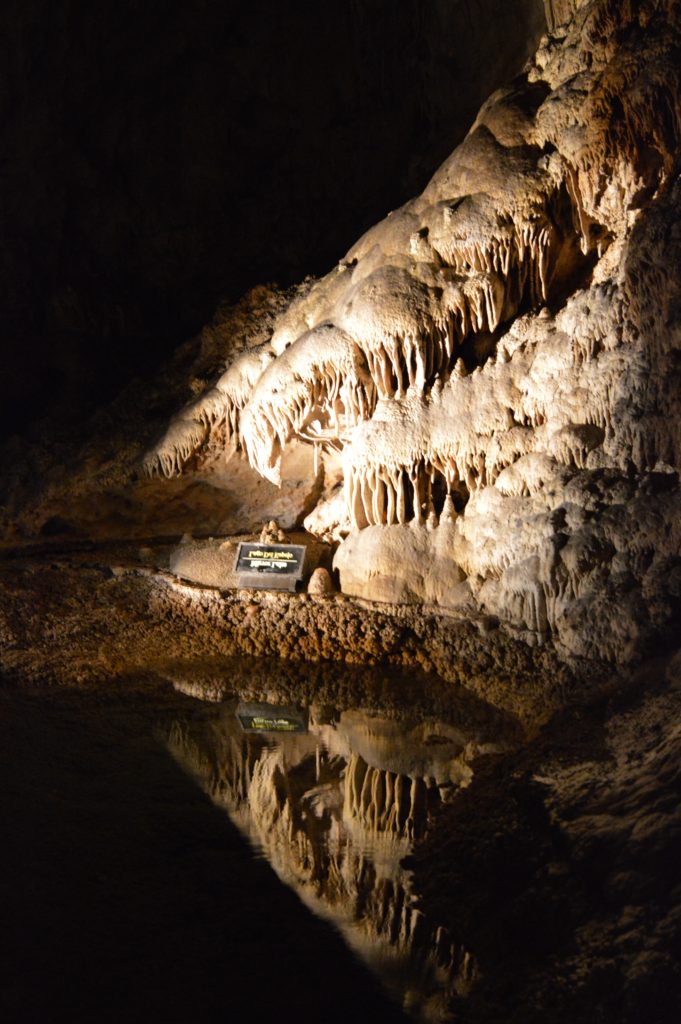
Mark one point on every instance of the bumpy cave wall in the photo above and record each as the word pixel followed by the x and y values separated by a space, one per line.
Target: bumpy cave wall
pixel 157 158
pixel 497 361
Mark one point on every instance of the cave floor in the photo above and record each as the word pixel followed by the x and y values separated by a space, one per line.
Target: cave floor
pixel 538 812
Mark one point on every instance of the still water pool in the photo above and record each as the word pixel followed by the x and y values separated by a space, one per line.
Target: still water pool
pixel 174 858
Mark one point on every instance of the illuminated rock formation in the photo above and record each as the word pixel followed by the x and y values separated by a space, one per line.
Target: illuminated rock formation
pixel 497 360
pixel 214 413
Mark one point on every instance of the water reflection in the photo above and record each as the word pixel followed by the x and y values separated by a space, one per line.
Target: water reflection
pixel 334 797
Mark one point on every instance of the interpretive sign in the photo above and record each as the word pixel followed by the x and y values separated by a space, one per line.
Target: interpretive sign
pixel 270 718
pixel 271 566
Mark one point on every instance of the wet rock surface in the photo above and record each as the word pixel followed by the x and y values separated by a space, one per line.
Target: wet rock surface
pixel 560 865
pixel 554 869
pixel 111 613
pixel 496 359
pixel 478 404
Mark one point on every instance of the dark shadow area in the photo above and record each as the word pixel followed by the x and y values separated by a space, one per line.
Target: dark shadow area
pixel 127 895
pixel 159 158
pixel 567 894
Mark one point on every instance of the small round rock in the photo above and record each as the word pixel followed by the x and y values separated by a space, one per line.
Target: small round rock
pixel 320 583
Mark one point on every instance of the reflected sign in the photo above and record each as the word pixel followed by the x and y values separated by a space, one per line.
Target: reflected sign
pixel 271 718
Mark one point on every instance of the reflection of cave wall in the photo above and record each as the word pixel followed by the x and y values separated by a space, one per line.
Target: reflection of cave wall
pixel 335 827
pixel 156 158
pixel 386 802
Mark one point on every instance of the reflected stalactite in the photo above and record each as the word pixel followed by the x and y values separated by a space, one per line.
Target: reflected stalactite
pixel 334 811
pixel 385 803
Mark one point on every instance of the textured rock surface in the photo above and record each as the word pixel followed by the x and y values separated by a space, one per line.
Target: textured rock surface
pixel 56 486
pixel 209 562
pixel 497 360
pixel 109 615
pixel 403 565
pixel 481 404
pixel 559 865
pixel 320 583
pixel 481 400
pixel 212 562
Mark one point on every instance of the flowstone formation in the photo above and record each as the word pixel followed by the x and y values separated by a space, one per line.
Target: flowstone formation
pixel 493 370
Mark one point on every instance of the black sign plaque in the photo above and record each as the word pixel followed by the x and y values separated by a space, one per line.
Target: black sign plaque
pixel 270 566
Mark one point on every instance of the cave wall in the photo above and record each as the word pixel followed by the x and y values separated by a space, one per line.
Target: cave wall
pixel 497 360
pixel 486 384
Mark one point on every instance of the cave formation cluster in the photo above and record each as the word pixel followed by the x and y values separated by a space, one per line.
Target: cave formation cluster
pixel 489 378
pixel 472 421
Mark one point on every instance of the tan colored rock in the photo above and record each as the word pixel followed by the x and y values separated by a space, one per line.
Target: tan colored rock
pixel 272 533
pixel 400 565
pixel 320 583
pixel 497 359
pixel 329 519
pixel 210 562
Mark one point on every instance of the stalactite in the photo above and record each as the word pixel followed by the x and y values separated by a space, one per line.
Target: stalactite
pixel 385 802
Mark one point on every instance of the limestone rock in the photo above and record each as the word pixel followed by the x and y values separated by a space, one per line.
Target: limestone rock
pixel 494 366
pixel 329 519
pixel 272 533
pixel 320 583
pixel 399 564
pixel 210 562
